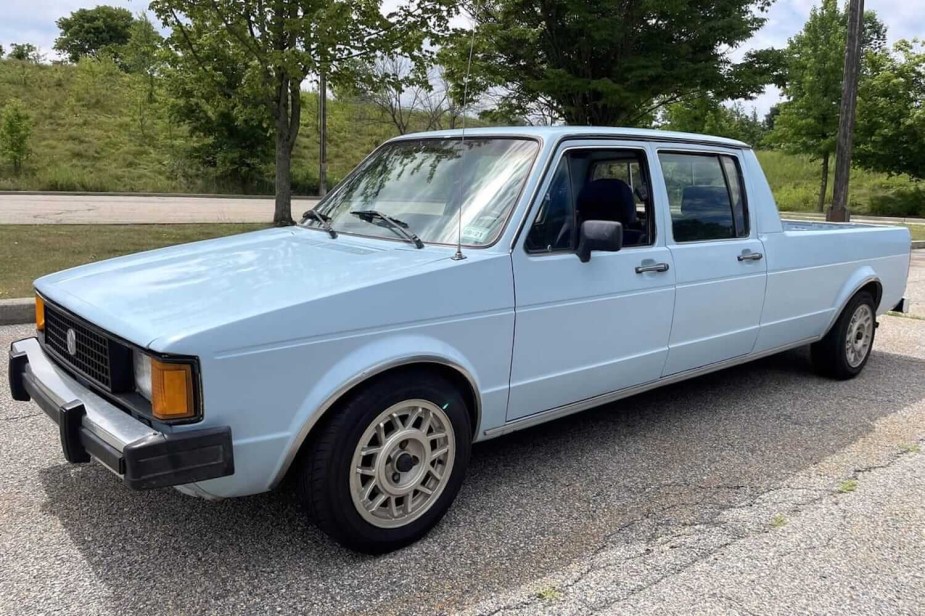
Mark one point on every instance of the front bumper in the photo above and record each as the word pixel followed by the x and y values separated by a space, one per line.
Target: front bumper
pixel 92 427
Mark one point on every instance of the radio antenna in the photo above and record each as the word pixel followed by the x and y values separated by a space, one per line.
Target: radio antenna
pixel 459 256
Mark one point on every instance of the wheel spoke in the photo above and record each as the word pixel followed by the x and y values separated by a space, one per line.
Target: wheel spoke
pixel 440 452
pixel 368 490
pixel 378 502
pixel 413 417
pixel 425 425
pixel 366 471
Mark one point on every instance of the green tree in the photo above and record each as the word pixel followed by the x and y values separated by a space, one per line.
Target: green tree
pixel 282 42
pixel 143 54
pixel 91 32
pixel 607 62
pixel 25 52
pixel 890 133
pixel 209 93
pixel 807 121
pixel 706 115
pixel 15 130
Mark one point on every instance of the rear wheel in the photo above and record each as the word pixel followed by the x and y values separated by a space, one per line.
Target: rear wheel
pixel 844 351
pixel 389 462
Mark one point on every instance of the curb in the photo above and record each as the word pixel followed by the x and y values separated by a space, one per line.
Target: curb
pixel 17 311
pixel 918 244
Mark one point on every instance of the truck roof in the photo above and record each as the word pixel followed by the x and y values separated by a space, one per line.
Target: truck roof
pixel 557 132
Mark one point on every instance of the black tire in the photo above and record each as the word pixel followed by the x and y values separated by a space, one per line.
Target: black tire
pixel 323 480
pixel 830 355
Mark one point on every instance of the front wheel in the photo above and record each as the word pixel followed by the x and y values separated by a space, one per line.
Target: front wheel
pixel 389 463
pixel 844 351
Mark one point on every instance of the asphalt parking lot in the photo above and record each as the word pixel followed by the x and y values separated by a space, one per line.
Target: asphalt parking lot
pixel 762 488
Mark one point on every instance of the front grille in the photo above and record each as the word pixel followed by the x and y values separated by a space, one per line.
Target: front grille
pixel 92 353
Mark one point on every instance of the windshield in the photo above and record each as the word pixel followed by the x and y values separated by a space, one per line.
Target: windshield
pixel 423 183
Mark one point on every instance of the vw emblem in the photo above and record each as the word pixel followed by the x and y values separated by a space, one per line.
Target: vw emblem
pixel 71 342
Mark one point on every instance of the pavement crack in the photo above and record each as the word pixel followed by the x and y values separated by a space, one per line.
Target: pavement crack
pixel 15 417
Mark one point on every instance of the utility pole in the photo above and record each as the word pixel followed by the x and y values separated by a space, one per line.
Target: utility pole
pixel 849 98
pixel 323 134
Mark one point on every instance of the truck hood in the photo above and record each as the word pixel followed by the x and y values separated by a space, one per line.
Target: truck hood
pixel 185 289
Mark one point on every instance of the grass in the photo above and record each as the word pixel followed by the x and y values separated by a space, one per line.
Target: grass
pixel 30 251
pixel 917 231
pixel 95 130
pixel 910 448
pixel 795 183
pixel 848 485
pixel 778 521
pixel 549 593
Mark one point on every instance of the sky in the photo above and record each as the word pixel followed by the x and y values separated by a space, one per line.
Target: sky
pixel 33 21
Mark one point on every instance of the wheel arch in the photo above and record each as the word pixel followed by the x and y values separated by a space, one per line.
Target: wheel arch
pixel 865 279
pixel 461 376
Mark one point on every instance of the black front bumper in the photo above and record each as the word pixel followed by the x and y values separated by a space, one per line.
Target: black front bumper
pixel 153 460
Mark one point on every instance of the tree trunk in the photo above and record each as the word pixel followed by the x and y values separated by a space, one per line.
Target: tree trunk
pixel 287 115
pixel 825 181
pixel 282 216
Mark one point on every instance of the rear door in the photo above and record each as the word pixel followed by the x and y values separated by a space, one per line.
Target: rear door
pixel 720 270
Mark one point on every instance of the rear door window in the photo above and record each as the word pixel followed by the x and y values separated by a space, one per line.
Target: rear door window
pixel 705 196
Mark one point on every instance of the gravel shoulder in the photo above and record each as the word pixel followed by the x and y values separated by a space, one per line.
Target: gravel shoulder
pixel 718 495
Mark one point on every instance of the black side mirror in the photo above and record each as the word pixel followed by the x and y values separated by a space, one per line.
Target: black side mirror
pixel 606 235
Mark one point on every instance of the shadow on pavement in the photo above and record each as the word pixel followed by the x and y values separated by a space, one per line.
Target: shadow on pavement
pixel 533 500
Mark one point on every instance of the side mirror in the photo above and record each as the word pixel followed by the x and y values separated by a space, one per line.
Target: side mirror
pixel 606 235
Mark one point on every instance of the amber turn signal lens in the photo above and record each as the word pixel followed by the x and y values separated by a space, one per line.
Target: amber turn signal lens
pixel 39 314
pixel 171 390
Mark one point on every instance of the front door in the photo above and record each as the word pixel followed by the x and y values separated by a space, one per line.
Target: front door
pixel 586 329
pixel 720 268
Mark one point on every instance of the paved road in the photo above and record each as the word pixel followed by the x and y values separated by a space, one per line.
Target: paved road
pixel 107 209
pixel 658 504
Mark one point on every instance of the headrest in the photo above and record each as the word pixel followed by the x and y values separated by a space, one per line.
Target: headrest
pixel 607 199
pixel 703 199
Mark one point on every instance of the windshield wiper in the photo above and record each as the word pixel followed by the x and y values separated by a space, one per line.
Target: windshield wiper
pixel 325 221
pixel 398 226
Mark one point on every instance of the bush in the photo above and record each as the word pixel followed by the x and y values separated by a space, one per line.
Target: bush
pixel 15 130
pixel 901 202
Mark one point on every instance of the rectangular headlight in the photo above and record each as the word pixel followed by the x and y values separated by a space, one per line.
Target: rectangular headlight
pixel 39 314
pixel 142 366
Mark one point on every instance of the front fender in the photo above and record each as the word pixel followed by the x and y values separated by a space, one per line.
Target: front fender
pixel 362 364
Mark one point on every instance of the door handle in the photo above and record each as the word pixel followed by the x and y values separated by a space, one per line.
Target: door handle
pixel 750 256
pixel 652 267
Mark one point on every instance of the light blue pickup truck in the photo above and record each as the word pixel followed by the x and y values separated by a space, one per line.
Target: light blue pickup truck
pixel 453 288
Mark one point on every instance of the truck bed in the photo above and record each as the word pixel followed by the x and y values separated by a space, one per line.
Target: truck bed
pixel 818 225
